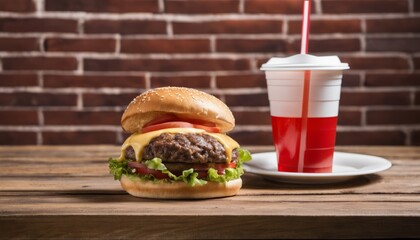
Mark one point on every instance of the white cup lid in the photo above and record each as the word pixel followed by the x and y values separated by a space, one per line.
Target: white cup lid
pixel 304 62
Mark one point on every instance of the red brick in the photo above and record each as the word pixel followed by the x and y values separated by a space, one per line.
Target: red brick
pixel 405 44
pixel 394 25
pixel 23 117
pixel 416 6
pixel 328 26
pixel 370 138
pixel 250 45
pixel 21 6
pixel 349 118
pixel 100 6
pixel 78 137
pixel 165 65
pixel 94 81
pixel 416 61
pixel 125 27
pixel 365 98
pixel 181 81
pixel 350 80
pixel 18 80
pixel 37 99
pixel 228 26
pixel 252 117
pixel 98 99
pixel 393 116
pixel 17 138
pixel 417 98
pixel 80 45
pixel 364 6
pixel 160 45
pixel 39 63
pixel 202 6
pixel 241 81
pixel 415 137
pixel 328 45
pixel 386 63
pixel 21 44
pixel 253 99
pixel 18 25
pixel 274 6
pixel 82 117
pixel 392 79
pixel 254 138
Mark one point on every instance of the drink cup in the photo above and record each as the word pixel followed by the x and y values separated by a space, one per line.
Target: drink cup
pixel 304 94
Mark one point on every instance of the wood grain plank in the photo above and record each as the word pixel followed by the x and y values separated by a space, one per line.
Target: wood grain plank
pixel 52 159
pixel 213 227
pixel 58 184
pixel 252 185
pixel 237 206
pixel 123 197
pixel 54 170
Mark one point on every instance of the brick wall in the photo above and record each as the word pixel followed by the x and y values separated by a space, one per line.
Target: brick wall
pixel 69 67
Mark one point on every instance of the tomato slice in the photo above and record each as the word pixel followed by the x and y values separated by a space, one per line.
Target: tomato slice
pixel 172 121
pixel 142 169
pixel 164 125
pixel 221 167
pixel 178 124
pixel 207 128
pixel 169 117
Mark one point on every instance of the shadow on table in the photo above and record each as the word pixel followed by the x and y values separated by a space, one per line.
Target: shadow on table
pixel 252 181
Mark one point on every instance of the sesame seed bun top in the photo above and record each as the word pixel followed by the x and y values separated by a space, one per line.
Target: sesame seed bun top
pixel 185 103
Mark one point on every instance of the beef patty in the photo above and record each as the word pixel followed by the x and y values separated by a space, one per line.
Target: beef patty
pixel 184 148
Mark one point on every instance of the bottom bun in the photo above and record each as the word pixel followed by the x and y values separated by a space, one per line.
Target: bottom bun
pixel 179 190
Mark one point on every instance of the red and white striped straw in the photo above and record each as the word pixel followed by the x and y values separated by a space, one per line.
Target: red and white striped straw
pixel 306 84
pixel 305 26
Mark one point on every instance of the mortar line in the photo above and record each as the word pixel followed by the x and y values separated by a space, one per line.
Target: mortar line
pixel 241 7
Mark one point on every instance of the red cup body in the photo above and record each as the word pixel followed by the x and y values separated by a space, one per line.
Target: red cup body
pixel 320 142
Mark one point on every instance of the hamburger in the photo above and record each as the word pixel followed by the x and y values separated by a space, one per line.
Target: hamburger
pixel 178 148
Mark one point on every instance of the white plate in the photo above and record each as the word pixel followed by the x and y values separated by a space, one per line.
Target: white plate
pixel 345 166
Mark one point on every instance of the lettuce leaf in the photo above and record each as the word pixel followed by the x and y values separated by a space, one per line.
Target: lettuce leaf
pixel 120 167
pixel 188 176
pixel 230 173
pixel 243 155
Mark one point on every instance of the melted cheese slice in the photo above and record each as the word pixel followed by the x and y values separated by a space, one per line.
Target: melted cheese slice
pixel 139 140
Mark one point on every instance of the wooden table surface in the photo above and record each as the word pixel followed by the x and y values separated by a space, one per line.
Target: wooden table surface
pixel 66 192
